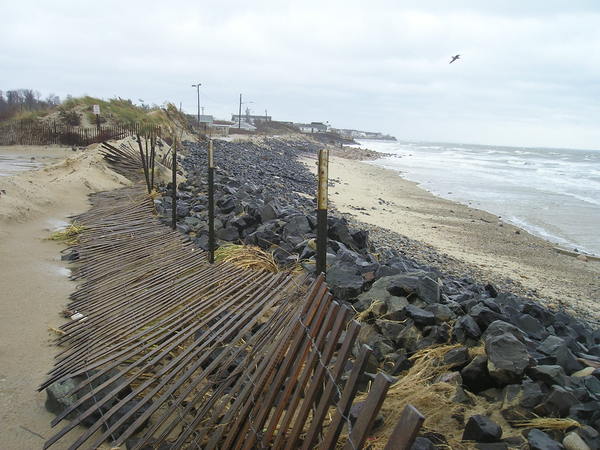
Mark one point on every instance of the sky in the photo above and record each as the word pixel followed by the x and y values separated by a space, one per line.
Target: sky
pixel 529 73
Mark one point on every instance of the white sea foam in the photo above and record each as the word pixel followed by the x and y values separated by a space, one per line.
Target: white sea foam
pixel 553 193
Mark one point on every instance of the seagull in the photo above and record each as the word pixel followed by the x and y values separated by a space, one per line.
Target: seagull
pixel 454 58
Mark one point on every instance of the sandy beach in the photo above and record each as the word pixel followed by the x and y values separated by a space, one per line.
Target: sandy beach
pixel 463 240
pixel 34 286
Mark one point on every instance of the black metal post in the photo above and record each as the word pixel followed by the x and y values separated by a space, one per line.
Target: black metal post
pixel 174 181
pixel 211 203
pixel 322 213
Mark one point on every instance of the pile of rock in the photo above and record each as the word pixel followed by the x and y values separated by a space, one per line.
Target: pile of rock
pixel 533 362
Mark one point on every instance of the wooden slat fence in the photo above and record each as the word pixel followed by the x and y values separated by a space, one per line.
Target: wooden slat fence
pixel 36 133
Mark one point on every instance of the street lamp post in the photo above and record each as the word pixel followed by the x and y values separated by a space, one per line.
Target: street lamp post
pixel 240 111
pixel 197 86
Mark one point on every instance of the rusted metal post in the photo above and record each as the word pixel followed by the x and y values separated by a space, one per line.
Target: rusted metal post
pixel 322 212
pixel 152 159
pixel 211 202
pixel 143 160
pixel 174 188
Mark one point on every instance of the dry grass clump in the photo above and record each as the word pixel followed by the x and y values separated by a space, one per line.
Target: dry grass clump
pixel 365 316
pixel 547 423
pixel 154 194
pixel 433 400
pixel 69 235
pixel 247 257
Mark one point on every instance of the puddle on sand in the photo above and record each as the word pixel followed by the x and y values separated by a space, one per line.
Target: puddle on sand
pixel 56 224
pixel 63 271
pixel 12 164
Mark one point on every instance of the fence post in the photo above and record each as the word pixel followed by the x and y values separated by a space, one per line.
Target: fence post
pixel 174 189
pixel 211 202
pixel 321 263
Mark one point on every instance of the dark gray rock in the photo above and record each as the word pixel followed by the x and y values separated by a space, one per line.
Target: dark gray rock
pixel 272 210
pixel 409 337
pixel 530 325
pixel 476 376
pixel 296 226
pixel 428 290
pixel 507 358
pixel 491 446
pixel 538 440
pixel 557 403
pixel 551 344
pixel 419 316
pixel 550 374
pixel 460 396
pixel 422 443
pixel 344 281
pixel 484 316
pixel 466 327
pixel 457 357
pixel 441 312
pixel 228 234
pixel 481 429
pixel 565 358
pixel 380 291
pixel 515 397
pixel 500 327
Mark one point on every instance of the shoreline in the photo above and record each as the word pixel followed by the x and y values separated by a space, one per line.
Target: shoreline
pixel 483 246
pixel 570 248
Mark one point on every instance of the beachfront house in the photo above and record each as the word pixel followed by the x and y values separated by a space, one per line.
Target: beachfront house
pixel 250 118
pixel 313 127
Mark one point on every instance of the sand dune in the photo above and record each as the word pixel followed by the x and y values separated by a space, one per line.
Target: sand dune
pixel 34 284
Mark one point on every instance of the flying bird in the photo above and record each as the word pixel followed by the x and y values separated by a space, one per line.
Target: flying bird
pixel 454 58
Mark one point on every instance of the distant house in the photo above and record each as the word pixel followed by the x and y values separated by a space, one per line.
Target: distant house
pixel 250 119
pixel 313 127
pixel 205 118
pixel 220 127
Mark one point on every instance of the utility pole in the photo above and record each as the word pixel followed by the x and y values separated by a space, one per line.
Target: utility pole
pixel 197 86
pixel 240 114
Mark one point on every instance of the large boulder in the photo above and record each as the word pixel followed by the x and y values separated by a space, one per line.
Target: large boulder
pixel 380 290
pixel 507 358
pixel 344 280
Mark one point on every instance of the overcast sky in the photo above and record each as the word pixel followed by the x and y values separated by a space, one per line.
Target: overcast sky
pixel 529 74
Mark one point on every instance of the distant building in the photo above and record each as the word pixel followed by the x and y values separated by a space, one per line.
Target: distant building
pixel 357 134
pixel 250 119
pixel 313 127
pixel 220 127
pixel 204 118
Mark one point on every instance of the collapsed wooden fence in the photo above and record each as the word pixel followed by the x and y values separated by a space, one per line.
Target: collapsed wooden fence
pixel 169 348
pixel 27 132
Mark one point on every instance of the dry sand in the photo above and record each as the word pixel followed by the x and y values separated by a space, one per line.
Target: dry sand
pixel 477 241
pixel 34 283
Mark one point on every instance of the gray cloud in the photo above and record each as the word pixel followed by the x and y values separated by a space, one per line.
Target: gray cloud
pixel 528 75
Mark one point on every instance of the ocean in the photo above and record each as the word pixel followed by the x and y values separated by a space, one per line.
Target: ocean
pixel 552 193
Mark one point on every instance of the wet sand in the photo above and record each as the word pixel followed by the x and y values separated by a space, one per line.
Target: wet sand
pixel 34 286
pixel 477 240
